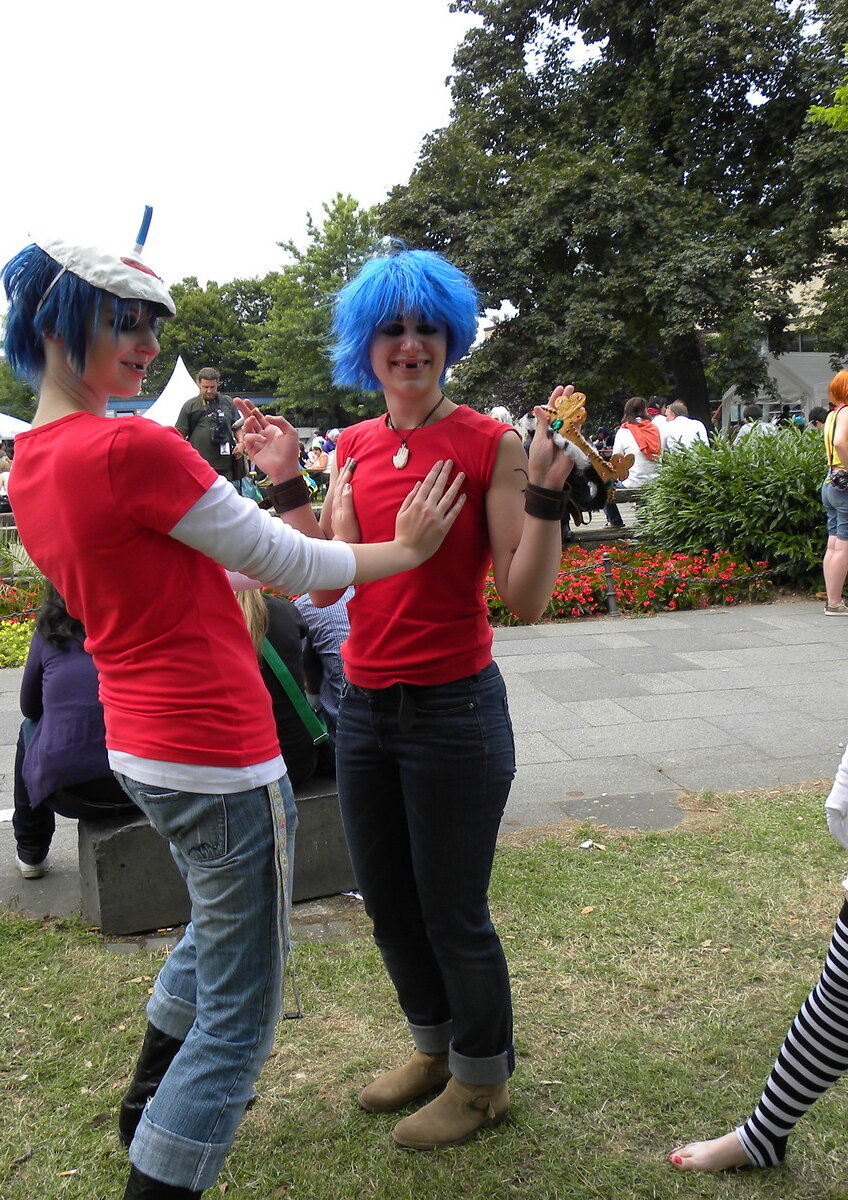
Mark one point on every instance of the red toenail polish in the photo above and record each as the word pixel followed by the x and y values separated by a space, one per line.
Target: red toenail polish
pixel 675 1158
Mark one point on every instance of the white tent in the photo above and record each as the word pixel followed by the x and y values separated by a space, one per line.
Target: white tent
pixel 9 426
pixel 180 387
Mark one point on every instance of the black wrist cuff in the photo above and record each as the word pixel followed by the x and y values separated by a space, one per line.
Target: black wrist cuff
pixel 283 497
pixel 546 504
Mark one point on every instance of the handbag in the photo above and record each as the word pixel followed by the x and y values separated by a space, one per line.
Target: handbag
pixel 247 488
pixel 315 727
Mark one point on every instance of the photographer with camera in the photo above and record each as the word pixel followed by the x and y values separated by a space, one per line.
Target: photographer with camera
pixel 207 422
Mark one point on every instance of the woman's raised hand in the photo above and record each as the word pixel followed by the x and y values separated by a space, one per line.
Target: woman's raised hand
pixel 549 466
pixel 271 442
pixel 429 511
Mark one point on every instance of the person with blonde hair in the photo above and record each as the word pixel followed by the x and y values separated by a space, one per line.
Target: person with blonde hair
pixel 276 619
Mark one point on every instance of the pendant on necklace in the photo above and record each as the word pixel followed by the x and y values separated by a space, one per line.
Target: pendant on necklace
pixel 401 457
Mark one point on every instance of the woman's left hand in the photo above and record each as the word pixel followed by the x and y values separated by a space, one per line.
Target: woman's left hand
pixel 271 442
pixel 549 466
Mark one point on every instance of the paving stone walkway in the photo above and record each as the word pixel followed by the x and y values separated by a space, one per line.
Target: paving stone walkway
pixel 617 721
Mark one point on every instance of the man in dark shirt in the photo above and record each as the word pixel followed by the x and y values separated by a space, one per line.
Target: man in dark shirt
pixel 207 421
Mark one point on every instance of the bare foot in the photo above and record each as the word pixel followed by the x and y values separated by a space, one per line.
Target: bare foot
pixel 718 1155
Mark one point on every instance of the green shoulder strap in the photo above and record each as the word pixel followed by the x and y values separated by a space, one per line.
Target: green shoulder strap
pixel 314 725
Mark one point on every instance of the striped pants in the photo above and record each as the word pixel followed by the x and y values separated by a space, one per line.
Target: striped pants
pixel 814 1056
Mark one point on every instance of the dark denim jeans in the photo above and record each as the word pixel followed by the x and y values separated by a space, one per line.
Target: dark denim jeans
pixel 93 800
pixel 424 774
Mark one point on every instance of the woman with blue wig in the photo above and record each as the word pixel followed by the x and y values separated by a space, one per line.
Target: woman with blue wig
pixel 135 529
pixel 425 754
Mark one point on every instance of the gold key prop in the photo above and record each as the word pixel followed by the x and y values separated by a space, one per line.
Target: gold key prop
pixel 565 417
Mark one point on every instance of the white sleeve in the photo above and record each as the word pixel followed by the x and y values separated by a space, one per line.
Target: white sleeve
pixel 836 804
pixel 243 537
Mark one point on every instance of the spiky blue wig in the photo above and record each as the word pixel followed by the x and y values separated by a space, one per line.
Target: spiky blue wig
pixel 44 303
pixel 401 283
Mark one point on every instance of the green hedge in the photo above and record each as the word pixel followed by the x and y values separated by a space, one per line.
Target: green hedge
pixel 759 500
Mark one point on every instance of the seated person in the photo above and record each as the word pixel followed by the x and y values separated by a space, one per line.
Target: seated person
pixel 277 619
pixel 327 628
pixel 61 764
pixel 637 435
pixel 680 430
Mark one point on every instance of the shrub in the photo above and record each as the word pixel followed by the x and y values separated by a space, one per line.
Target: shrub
pixel 14 642
pixel 19 598
pixel 758 500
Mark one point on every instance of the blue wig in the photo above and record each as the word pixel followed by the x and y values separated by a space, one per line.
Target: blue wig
pixel 44 302
pixel 402 283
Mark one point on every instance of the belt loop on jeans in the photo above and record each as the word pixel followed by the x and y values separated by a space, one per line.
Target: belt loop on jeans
pixel 406 710
pixel 406 702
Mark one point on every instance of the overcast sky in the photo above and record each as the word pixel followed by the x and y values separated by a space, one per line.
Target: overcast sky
pixel 232 119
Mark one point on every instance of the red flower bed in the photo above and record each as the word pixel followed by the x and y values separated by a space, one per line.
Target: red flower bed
pixel 645 581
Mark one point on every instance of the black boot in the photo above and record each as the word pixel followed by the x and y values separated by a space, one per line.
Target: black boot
pixel 157 1052
pixel 142 1187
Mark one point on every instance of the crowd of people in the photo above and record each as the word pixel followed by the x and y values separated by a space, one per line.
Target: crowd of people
pixel 186 710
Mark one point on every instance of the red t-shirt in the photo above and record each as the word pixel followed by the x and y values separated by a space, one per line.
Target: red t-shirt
pixel 430 625
pixel 94 499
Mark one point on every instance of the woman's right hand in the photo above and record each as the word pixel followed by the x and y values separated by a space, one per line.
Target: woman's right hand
pixel 270 442
pixel 429 511
pixel 343 511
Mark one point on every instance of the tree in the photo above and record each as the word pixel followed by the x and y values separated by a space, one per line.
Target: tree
pixel 290 348
pixel 212 329
pixel 668 189
pixel 835 114
pixel 16 399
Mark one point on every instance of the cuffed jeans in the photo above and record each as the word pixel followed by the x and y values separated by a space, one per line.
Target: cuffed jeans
pixel 423 776
pixel 220 990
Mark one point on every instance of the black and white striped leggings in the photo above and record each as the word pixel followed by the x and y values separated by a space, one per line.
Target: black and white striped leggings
pixel 814 1056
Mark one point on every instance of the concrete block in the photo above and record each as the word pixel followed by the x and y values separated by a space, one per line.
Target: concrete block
pixel 322 864
pixel 129 882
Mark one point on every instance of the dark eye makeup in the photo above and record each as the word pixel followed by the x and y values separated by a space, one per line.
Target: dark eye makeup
pixel 128 321
pixel 131 319
pixel 423 328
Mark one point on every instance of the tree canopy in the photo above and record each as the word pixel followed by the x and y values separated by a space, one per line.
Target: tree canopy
pixel 648 211
pixel 290 348
pixel 16 399
pixel 212 328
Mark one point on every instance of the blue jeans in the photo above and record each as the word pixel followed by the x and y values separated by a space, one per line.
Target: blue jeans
pixel 423 775
pixel 835 503
pixel 220 990
pixel 91 800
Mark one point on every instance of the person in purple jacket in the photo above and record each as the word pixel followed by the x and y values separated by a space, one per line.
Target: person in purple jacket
pixel 60 763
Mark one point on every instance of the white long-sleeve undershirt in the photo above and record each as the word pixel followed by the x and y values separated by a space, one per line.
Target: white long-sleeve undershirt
pixel 240 536
pixel 243 538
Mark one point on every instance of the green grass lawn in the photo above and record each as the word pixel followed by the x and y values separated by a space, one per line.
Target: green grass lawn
pixel 654 980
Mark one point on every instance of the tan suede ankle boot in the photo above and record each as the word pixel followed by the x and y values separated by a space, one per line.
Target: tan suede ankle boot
pixel 423 1073
pixel 454 1116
